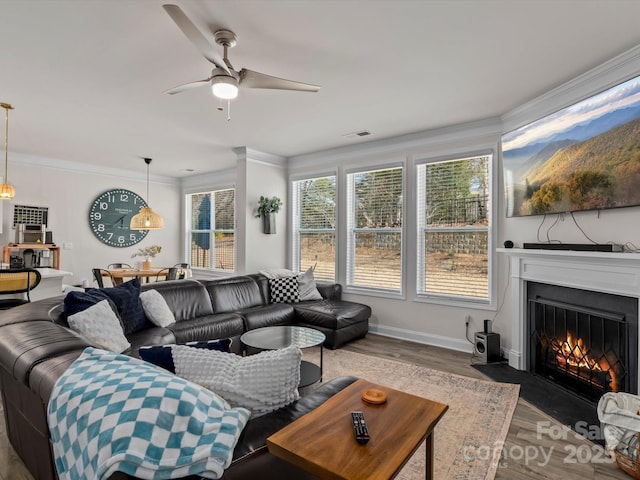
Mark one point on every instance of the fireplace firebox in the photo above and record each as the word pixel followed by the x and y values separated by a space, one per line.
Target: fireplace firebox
pixel 581 339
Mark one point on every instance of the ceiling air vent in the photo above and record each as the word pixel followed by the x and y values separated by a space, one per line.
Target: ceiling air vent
pixel 363 133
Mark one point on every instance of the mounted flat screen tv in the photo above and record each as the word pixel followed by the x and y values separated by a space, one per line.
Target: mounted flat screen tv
pixel 583 157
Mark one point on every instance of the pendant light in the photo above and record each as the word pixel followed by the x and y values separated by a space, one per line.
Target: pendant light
pixel 147 219
pixel 6 189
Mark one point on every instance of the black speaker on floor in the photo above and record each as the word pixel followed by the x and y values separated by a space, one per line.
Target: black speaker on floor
pixel 487 347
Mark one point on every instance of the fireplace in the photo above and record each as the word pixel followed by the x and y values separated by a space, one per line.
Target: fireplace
pixel 580 339
pixel 587 335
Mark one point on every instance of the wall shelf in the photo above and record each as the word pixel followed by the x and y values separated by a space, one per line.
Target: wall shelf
pixel 55 251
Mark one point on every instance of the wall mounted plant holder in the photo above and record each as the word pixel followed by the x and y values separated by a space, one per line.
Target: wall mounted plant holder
pixel 269 223
pixel 267 209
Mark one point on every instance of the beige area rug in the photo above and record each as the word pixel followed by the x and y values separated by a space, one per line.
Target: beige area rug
pixel 468 439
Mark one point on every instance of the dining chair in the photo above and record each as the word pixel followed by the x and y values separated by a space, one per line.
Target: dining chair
pixel 118 265
pixel 167 274
pixel 21 280
pixel 184 270
pixel 99 274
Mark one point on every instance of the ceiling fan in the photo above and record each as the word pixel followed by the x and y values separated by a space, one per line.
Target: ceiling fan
pixel 224 79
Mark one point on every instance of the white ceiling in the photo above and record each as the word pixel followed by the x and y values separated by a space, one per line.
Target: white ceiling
pixel 87 77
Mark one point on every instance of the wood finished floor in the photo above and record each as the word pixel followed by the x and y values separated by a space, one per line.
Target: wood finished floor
pixel 523 435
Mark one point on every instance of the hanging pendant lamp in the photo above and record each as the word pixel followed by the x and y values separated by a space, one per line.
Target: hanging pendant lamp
pixel 147 219
pixel 6 189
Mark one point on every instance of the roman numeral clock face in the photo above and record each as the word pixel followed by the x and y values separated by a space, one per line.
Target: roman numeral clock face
pixel 110 215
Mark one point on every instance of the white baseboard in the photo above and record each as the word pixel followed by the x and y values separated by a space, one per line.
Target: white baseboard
pixel 424 338
pixel 515 360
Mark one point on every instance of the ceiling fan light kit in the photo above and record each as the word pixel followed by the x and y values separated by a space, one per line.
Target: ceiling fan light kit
pixel 225 80
pixel 224 86
pixel 7 191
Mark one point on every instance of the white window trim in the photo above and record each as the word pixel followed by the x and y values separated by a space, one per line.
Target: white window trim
pixel 345 206
pixel 465 302
pixel 202 271
pixel 294 250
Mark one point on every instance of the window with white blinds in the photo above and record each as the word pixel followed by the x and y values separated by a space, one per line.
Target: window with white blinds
pixel 374 226
pixel 454 225
pixel 212 229
pixel 314 226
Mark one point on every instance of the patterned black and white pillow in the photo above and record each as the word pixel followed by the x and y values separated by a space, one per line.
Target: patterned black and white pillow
pixel 284 290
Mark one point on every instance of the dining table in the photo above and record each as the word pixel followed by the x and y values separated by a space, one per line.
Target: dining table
pixel 120 275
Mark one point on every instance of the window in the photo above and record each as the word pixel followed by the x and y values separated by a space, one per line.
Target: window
pixel 453 206
pixel 314 226
pixel 212 229
pixel 374 228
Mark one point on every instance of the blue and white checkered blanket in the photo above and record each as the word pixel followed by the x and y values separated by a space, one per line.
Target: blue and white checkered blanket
pixel 110 412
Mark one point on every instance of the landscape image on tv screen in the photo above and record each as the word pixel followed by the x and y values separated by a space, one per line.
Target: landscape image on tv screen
pixel 584 157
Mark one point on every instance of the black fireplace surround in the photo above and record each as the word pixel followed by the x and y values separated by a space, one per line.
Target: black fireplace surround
pixel 582 340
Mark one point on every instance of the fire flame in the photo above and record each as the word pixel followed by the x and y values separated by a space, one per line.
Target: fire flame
pixel 571 352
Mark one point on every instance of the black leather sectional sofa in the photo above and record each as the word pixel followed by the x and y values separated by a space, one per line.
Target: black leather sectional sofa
pixel 36 347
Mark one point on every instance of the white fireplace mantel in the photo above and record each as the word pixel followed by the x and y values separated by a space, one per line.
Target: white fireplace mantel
pixel 607 272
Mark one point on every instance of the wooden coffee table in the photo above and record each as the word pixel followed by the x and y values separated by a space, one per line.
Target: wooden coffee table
pixel 322 442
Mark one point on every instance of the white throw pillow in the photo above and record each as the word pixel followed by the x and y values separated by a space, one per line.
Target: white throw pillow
pixel 277 273
pixel 261 383
pixel 156 309
pixel 100 324
pixel 307 286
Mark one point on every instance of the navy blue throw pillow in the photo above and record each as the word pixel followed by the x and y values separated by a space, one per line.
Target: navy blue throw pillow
pixel 160 355
pixel 126 298
pixel 76 302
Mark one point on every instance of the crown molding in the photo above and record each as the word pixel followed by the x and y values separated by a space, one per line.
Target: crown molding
pixel 608 74
pixel 468 132
pixel 76 167
pixel 217 179
pixel 246 153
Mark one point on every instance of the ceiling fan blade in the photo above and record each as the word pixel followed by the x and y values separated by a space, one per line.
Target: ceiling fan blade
pixel 188 86
pixel 251 79
pixel 195 35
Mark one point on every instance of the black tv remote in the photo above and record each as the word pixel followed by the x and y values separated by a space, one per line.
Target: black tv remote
pixel 360 427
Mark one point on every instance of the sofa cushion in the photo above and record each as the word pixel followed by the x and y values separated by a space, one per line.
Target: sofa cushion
pixel 261 383
pixel 332 314
pixel 233 294
pixel 101 325
pixel 284 290
pixel 149 336
pixel 274 314
pixel 186 298
pixel 156 309
pixel 221 325
pixel 161 356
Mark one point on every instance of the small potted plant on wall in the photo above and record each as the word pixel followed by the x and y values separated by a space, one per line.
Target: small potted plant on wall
pixel 147 253
pixel 267 209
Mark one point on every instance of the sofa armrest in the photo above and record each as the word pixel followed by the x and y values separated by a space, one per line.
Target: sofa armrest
pixel 330 291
